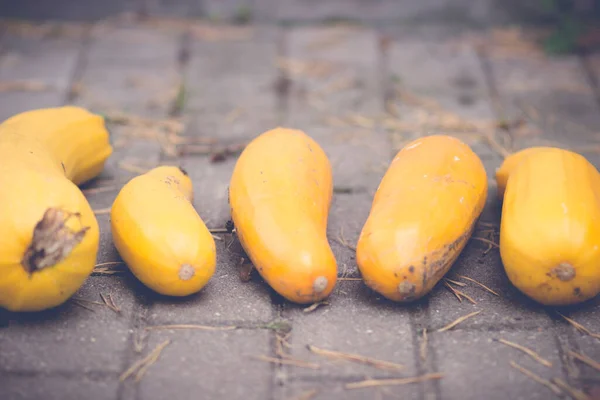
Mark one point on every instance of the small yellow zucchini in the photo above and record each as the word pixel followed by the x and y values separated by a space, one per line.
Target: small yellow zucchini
pixel 280 193
pixel 159 234
pixel 49 233
pixel 550 227
pixel 422 215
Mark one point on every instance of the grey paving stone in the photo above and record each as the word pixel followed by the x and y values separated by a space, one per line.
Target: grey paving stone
pixel 335 390
pixel 48 61
pixel 231 84
pixel 224 300
pixel 70 337
pixel 64 9
pixel 475 366
pixel 356 321
pixel 553 93
pixel 442 79
pixel 335 97
pixel 54 387
pixel 386 10
pixel 133 44
pixel 220 366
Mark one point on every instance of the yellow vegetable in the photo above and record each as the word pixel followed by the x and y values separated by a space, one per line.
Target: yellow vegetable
pixel 550 228
pixel 159 234
pixel 49 232
pixel 510 163
pixel 423 214
pixel 280 194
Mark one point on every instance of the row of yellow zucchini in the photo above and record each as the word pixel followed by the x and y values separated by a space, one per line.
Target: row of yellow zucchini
pixel 423 213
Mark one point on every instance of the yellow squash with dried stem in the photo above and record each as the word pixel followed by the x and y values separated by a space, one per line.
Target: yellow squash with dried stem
pixel 50 235
pixel 422 215
pixel 280 194
pixel 159 234
pixel 550 227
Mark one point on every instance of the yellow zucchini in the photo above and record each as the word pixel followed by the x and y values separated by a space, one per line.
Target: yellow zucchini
pixel 159 234
pixel 422 215
pixel 49 232
pixel 280 193
pixel 550 228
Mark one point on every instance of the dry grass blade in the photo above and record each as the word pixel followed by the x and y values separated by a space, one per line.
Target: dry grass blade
pixel 484 240
pixel 99 189
pixel 392 382
pixel 102 211
pixel 132 168
pixel 219 230
pixel 494 144
pixel 458 321
pixel 80 304
pixel 487 224
pixel 537 378
pixel 192 326
pixel 314 306
pixel 454 292
pixel 309 394
pixel 288 361
pixel 87 301
pixel 141 366
pixel 349 279
pixel 356 358
pixel 455 282
pixel 527 351
pixel 342 240
pixel 580 327
pixel 108 301
pixel 23 86
pixel 478 283
pixel 573 392
pixel 585 359
pixel 423 347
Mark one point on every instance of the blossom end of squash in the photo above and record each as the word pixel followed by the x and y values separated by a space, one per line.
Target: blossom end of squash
pixel 564 271
pixel 320 284
pixel 186 272
pixel 407 290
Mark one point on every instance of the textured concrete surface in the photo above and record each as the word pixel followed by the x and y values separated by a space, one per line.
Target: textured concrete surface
pixel 362 93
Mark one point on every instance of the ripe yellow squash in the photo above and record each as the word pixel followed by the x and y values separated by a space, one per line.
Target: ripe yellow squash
pixel 159 234
pixel 510 163
pixel 280 194
pixel 550 226
pixel 49 232
pixel 423 214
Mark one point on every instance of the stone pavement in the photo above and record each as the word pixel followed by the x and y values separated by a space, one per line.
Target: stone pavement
pixel 361 92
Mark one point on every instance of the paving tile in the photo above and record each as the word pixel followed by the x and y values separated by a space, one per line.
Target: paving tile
pixel 442 86
pixel 221 365
pixel 45 341
pixel 387 10
pixel 475 366
pixel 54 387
pixel 335 97
pixel 553 93
pixel 49 61
pixel 356 321
pixel 335 390
pixel 231 84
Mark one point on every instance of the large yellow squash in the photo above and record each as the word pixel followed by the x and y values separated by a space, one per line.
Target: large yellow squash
pixel 159 234
pixel 422 215
pixel 48 231
pixel 280 194
pixel 550 228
